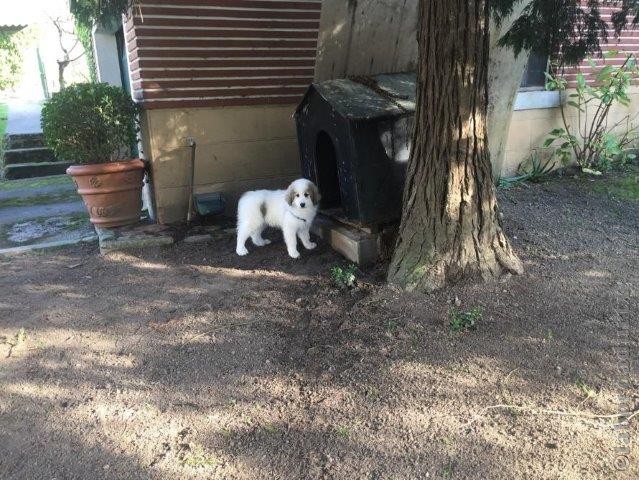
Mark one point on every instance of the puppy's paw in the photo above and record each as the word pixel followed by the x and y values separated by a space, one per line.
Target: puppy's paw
pixel 310 245
pixel 242 251
pixel 295 254
pixel 266 242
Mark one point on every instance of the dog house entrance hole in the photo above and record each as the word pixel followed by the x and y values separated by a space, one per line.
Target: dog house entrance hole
pixel 327 173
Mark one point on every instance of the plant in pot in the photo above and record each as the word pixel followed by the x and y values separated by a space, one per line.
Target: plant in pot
pixel 94 125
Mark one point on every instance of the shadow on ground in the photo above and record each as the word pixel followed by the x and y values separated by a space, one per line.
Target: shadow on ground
pixel 191 362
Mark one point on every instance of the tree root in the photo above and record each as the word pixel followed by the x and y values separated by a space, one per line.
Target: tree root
pixel 543 411
pixel 216 329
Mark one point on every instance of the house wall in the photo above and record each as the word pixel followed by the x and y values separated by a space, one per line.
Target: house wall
pixel 617 50
pixel 214 53
pixel 229 74
pixel 530 127
pixel 238 149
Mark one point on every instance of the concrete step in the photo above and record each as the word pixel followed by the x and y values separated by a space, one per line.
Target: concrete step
pixel 24 140
pixel 28 155
pixel 30 170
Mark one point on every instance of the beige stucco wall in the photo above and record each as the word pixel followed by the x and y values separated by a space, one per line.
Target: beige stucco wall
pixel 242 148
pixel 238 148
pixel 529 129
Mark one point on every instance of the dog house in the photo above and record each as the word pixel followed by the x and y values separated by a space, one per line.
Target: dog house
pixel 354 137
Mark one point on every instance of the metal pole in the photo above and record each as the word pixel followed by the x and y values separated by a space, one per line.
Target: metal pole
pixel 189 215
pixel 43 76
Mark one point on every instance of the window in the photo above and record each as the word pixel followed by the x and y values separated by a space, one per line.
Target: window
pixel 536 67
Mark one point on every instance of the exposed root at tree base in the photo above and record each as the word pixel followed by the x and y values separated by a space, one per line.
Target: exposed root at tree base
pixel 446 271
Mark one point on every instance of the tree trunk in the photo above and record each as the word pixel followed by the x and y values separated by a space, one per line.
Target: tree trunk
pixel 450 228
pixel 505 71
pixel 62 65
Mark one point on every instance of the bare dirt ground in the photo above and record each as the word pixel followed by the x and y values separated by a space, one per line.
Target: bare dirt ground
pixel 191 362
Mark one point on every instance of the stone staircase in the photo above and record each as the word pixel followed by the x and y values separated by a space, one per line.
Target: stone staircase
pixel 26 156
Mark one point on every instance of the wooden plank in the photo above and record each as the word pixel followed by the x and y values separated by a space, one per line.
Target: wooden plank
pixel 145 11
pixel 357 246
pixel 210 63
pixel 234 53
pixel 251 33
pixel 288 5
pixel 182 43
pixel 227 102
pixel 167 74
pixel 213 83
pixel 270 24
pixel 220 92
pixel 208 53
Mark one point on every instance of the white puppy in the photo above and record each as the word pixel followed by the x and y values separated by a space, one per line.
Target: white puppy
pixel 292 210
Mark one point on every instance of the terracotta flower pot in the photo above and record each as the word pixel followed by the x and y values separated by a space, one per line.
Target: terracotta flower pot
pixel 112 192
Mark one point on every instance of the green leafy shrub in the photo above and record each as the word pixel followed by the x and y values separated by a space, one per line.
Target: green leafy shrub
pixel 343 277
pixel 102 12
pixel 10 59
pixel 534 170
pixel 85 36
pixel 590 139
pixel 461 321
pixel 90 123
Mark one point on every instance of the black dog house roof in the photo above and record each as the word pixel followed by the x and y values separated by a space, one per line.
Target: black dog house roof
pixel 367 98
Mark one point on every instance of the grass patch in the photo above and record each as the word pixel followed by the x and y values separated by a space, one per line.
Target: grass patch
pixel 447 472
pixel 35 182
pixel 390 326
pixel 4 115
pixel 198 458
pixel 622 185
pixel 343 277
pixel 19 338
pixel 77 220
pixel 462 321
pixel 586 390
pixel 270 428
pixel 626 188
pixel 46 199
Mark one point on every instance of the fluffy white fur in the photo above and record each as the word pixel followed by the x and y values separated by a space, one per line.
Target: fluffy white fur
pixel 291 210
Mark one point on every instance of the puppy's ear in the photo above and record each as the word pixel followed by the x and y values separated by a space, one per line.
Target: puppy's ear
pixel 290 195
pixel 315 194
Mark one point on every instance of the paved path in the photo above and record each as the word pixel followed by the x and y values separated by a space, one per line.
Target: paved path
pixel 23 117
pixel 27 227
pixel 73 239
pixel 36 191
pixel 20 214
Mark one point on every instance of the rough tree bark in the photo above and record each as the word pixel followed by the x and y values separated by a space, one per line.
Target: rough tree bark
pixel 505 71
pixel 450 228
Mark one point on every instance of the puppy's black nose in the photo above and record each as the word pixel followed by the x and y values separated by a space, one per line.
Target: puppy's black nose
pixel 302 205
